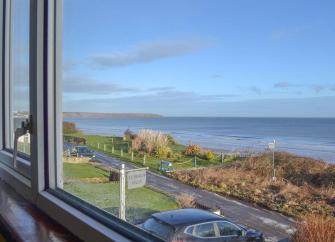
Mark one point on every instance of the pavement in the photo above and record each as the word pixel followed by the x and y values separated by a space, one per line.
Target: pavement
pixel 276 227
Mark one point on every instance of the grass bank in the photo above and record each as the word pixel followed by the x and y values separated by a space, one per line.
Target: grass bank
pixel 303 185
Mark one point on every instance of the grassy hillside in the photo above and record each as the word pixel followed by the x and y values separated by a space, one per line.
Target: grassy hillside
pixel 303 185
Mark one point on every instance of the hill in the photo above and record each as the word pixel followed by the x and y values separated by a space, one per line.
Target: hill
pixel 109 115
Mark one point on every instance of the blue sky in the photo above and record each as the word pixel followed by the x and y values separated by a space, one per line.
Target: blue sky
pixel 200 58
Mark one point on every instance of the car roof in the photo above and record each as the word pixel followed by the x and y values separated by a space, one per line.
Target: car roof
pixel 187 216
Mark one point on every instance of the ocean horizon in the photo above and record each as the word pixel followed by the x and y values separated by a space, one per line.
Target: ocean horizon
pixel 310 137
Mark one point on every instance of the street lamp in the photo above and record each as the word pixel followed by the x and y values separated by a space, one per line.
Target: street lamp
pixel 272 146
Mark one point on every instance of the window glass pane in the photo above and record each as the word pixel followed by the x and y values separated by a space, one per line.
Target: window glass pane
pixel 18 103
pixel 227 229
pixel 189 230
pixel 205 230
pixel 180 85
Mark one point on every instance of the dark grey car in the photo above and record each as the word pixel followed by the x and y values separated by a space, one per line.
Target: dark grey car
pixel 197 225
pixel 82 151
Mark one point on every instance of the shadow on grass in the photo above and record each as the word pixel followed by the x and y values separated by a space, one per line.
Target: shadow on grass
pixel 133 215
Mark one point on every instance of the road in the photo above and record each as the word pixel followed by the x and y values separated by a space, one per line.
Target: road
pixel 275 226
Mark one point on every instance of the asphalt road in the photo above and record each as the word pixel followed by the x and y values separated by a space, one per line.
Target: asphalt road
pixel 275 226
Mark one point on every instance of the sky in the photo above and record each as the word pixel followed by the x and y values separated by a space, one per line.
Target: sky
pixel 19 56
pixel 264 58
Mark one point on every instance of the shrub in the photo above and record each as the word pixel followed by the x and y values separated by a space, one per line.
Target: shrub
pixel 149 141
pixel 186 201
pixel 164 152
pixel 315 228
pixel 129 135
pixel 209 155
pixel 69 128
pixel 192 150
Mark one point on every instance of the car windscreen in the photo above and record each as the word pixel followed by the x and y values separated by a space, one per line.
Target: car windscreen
pixel 83 150
pixel 159 229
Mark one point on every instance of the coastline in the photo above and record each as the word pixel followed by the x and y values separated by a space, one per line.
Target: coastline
pixel 227 136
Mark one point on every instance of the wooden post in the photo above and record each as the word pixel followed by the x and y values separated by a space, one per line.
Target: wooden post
pixel 222 157
pixel 121 152
pixel 98 145
pixel 104 147
pixel 195 161
pixel 132 155
pixel 113 149
pixel 144 160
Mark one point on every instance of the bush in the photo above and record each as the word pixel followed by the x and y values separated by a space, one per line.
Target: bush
pixel 315 228
pixel 129 135
pixel 209 155
pixel 164 152
pixel 186 201
pixel 192 150
pixel 149 141
pixel 69 128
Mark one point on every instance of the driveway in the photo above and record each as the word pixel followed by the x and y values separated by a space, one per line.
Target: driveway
pixel 275 226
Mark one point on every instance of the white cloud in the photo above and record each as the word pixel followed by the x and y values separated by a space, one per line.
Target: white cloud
pixel 76 84
pixel 284 85
pixel 194 105
pixel 149 52
pixel 256 90
pixel 288 32
pixel 323 87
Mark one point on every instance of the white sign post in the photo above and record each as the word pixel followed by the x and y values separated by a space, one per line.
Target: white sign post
pixel 136 178
pixel 122 209
pixel 272 146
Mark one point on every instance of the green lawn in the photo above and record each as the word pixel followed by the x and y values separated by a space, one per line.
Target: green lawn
pixel 140 202
pixel 82 170
pixel 112 146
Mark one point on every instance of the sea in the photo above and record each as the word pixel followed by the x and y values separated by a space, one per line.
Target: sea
pixel 310 137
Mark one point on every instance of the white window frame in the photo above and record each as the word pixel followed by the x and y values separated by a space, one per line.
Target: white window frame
pixel 21 174
pixel 36 180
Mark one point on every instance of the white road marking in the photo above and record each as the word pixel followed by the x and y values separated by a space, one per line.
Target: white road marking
pixel 271 222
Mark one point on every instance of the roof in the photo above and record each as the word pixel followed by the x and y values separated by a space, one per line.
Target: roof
pixel 188 216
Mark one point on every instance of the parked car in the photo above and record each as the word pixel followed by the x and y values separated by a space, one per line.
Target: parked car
pixel 166 166
pixel 196 225
pixel 82 151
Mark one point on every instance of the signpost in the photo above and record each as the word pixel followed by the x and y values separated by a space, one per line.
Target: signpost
pixel 122 209
pixel 136 178
pixel 272 146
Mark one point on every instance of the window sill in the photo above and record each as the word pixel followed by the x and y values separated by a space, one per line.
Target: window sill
pixel 23 166
pixel 25 222
pixel 77 222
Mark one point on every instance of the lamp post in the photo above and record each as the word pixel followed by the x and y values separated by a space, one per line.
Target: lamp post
pixel 272 146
